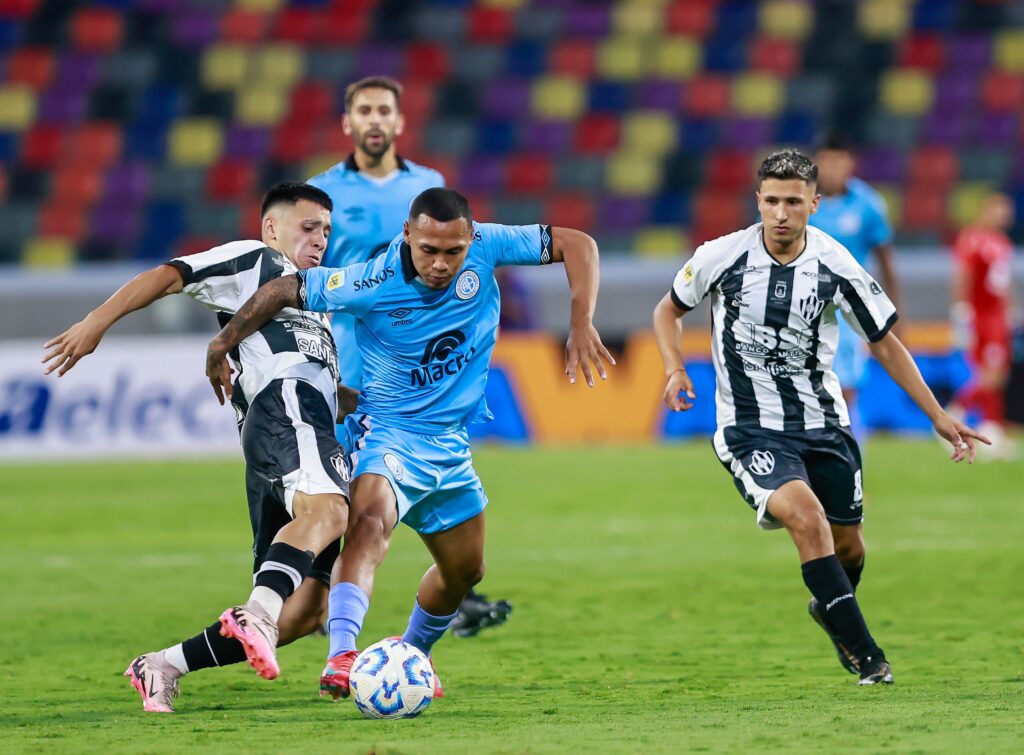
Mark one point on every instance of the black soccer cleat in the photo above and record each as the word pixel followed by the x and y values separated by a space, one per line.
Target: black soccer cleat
pixel 876 671
pixel 845 656
pixel 477 613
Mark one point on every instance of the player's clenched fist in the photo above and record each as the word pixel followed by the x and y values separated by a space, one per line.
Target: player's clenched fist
pixel 678 389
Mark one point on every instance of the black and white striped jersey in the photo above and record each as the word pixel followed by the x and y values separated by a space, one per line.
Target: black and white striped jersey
pixel 295 344
pixel 774 328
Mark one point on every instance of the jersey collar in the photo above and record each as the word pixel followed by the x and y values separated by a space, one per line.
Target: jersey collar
pixel 408 269
pixel 352 165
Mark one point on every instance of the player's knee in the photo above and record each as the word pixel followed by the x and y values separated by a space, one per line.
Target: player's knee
pixel 334 513
pixel 850 551
pixel 474 573
pixel 808 522
pixel 367 529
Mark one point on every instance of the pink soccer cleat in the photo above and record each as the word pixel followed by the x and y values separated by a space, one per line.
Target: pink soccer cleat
pixel 154 682
pixel 250 625
pixel 334 679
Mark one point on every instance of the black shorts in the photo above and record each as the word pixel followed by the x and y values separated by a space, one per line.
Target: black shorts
pixel 761 461
pixel 289 446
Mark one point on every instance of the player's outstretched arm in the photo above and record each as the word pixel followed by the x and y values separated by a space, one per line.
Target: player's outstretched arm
pixel 261 307
pixel 578 253
pixel 84 336
pixel 668 331
pixel 893 355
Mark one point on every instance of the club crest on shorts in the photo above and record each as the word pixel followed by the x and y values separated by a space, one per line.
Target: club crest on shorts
pixel 762 462
pixel 338 462
pixel 392 462
pixel 467 284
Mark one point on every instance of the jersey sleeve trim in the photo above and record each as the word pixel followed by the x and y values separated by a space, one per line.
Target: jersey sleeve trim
pixel 187 273
pixel 864 317
pixel 677 301
pixel 885 328
pixel 546 240
pixel 300 278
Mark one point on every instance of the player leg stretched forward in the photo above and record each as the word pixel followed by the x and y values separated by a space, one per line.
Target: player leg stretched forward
pixel 424 380
pixel 783 427
pixel 287 403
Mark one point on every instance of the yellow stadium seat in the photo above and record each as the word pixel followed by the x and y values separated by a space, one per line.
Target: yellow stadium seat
pixel 278 65
pixel 224 67
pixel 195 141
pixel 260 6
pixel 786 19
pixel 907 92
pixel 622 58
pixel 662 241
pixel 637 18
pixel 966 200
pixel 893 197
pixel 260 105
pixel 558 97
pixel 48 252
pixel 757 94
pixel 883 19
pixel 633 173
pixel 17 107
pixel 504 4
pixel 318 164
pixel 649 133
pixel 1009 50
pixel 676 58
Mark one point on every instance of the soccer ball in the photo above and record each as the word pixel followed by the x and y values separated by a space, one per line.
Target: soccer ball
pixel 392 679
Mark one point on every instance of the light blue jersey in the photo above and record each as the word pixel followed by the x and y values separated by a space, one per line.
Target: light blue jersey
pixel 856 219
pixel 368 212
pixel 425 359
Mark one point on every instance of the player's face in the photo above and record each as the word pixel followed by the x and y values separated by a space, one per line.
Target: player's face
pixel 835 166
pixel 373 121
pixel 438 248
pixel 785 206
pixel 298 231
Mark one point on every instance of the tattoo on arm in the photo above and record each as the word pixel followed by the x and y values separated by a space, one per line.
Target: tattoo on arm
pixel 268 300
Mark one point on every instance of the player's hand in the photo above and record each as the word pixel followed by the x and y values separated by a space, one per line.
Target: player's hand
pixel 960 436
pixel 218 371
pixel 678 389
pixel 80 339
pixel 584 348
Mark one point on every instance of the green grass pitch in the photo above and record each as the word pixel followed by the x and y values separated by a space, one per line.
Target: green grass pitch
pixel 650 614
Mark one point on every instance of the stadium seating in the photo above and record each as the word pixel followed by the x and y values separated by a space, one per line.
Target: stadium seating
pixel 136 129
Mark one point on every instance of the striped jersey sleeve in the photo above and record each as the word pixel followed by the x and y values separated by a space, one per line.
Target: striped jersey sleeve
pixel 859 297
pixel 224 277
pixel 705 268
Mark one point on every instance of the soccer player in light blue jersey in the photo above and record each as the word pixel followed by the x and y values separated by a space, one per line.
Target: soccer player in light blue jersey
pixel 854 214
pixel 427 312
pixel 371 191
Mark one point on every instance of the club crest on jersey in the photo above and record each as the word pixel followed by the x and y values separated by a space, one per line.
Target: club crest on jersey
pixel 811 307
pixel 780 290
pixel 392 462
pixel 338 462
pixel 467 284
pixel 762 462
pixel 875 288
pixel 337 280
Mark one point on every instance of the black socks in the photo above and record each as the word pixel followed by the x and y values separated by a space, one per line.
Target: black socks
pixel 828 582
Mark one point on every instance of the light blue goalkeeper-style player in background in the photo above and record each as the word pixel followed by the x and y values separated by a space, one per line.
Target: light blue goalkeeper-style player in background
pixel 371 191
pixel 853 214
pixel 427 319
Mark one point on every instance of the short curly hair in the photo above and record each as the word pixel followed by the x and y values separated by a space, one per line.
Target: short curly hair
pixel 786 164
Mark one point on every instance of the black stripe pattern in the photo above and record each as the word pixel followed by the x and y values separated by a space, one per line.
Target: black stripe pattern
pixel 776 317
pixel 730 285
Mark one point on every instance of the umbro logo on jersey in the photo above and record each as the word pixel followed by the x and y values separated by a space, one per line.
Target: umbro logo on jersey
pixel 355 214
pixel 400 314
pixel 762 462
pixel 811 307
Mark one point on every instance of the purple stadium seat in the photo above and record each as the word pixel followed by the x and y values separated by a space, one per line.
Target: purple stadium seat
pixel 194 29
pixel 970 52
pixel 995 129
pixel 586 20
pixel 246 142
pixel 881 165
pixel 65 105
pixel 955 90
pixel 115 222
pixel 546 136
pixel 622 213
pixel 506 98
pixel 129 180
pixel 77 71
pixel 945 128
pixel 386 61
pixel 481 173
pixel 746 133
pixel 658 95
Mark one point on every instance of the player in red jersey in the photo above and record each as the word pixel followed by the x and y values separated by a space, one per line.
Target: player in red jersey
pixel 982 301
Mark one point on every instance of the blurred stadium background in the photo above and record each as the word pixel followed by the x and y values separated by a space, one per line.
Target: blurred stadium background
pixel 135 131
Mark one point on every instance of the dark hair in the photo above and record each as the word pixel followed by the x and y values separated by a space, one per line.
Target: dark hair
pixel 291 193
pixel 834 141
pixel 441 204
pixel 786 164
pixel 373 82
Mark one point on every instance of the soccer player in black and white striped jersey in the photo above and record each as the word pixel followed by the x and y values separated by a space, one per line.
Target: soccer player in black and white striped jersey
pixel 286 400
pixel 776 289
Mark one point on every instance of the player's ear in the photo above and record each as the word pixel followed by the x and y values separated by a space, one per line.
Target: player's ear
pixel 346 126
pixel 269 227
pixel 815 202
pixel 399 124
pixel 405 231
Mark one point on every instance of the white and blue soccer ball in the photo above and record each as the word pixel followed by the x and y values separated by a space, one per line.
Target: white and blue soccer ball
pixel 392 679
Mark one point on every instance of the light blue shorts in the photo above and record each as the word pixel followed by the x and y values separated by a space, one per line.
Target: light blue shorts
pixel 350 363
pixel 851 360
pixel 432 475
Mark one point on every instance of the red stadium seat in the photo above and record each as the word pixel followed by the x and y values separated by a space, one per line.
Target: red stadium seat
pixel 418 105
pixel 18 8
pixel 691 17
pixel 574 57
pixel 427 62
pixel 729 170
pixel 483 212
pixel 924 208
pixel 935 167
pixel 293 141
pixel 489 25
pixel 3 184
pixel 62 219
pixel 231 179
pixel 1002 91
pixel 195 244
pixel 41 146
pixel 312 102
pixel 97 143
pixel 923 51
pixel 96 29
pixel 77 186
pixel 707 96
pixel 443 164
pixel 296 25
pixel 597 134
pixel 716 213
pixel 33 66
pixel 570 211
pixel 528 174
pixel 778 56
pixel 243 27
pixel 348 24
pixel 328 138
